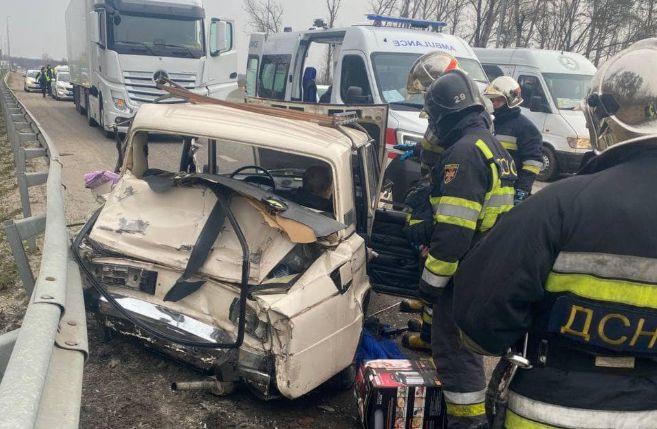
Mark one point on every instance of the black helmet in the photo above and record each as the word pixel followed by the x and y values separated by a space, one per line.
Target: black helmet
pixel 451 93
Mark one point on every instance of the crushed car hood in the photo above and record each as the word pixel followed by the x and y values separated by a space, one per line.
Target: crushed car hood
pixel 159 220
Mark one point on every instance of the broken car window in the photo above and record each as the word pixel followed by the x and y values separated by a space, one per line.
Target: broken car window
pixel 303 180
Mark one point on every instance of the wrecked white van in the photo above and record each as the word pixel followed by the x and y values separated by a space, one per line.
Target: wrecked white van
pixel 223 264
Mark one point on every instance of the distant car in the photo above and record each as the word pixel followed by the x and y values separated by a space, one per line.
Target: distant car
pixel 31 84
pixel 61 88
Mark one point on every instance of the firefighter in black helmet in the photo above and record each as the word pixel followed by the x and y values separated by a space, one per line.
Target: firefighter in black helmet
pixel 471 187
pixel 581 279
pixel 425 70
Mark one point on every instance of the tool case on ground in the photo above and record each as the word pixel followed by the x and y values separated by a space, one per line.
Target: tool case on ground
pixel 399 394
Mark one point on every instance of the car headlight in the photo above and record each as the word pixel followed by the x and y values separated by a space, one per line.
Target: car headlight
pixel 579 143
pixel 119 101
pixel 408 137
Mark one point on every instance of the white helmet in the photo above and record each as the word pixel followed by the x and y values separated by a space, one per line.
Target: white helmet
pixel 622 103
pixel 507 87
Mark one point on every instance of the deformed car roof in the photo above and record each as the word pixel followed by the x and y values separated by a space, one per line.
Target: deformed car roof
pixel 225 123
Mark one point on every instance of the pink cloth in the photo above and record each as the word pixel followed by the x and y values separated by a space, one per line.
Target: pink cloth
pixel 97 178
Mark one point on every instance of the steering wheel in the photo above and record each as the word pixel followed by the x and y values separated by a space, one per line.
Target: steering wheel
pixel 256 179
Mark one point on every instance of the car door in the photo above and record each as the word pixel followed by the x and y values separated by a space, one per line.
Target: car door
pixel 396 268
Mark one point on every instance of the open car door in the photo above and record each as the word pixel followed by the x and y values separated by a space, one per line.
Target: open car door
pixel 396 270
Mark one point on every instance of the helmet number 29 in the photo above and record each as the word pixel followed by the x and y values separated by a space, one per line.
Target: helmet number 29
pixel 459 98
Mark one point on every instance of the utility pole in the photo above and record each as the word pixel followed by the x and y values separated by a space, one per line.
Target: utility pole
pixel 8 45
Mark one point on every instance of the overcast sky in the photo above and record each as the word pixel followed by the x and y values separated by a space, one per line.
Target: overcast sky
pixel 37 26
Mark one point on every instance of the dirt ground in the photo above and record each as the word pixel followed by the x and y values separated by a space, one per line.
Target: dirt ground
pixel 126 385
pixel 12 297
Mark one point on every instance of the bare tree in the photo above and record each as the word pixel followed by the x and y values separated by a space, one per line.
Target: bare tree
pixel 265 16
pixel 383 7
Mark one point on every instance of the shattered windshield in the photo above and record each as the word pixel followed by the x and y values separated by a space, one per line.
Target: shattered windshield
pixel 567 90
pixel 391 71
pixel 300 179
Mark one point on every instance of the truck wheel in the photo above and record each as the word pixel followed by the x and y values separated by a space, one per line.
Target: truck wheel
pixel 550 169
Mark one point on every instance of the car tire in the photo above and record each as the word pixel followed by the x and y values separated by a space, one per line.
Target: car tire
pixel 550 169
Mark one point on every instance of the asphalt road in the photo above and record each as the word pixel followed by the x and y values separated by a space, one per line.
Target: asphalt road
pixel 127 385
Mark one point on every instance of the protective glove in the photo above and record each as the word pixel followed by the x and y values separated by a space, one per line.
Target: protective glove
pixel 520 196
pixel 409 150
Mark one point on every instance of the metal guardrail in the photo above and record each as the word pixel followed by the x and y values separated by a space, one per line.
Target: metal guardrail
pixel 41 363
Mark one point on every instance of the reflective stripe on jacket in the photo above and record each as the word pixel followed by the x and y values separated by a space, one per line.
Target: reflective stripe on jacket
pixel 575 266
pixel 471 188
pixel 524 142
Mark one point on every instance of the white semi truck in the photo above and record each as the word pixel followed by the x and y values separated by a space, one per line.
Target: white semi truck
pixel 117 49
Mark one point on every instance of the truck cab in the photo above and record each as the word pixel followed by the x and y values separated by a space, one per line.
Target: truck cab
pixel 370 64
pixel 118 49
pixel 553 84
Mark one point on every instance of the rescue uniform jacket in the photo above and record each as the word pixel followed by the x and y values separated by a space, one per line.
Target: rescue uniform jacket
pixel 581 282
pixel 471 186
pixel 524 142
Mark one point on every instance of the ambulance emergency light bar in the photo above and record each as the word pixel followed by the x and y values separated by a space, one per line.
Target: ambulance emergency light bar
pixel 381 20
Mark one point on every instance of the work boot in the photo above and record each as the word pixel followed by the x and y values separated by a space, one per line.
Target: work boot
pixel 415 325
pixel 411 306
pixel 414 342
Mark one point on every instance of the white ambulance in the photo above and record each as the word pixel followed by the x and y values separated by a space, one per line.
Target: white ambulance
pixel 371 63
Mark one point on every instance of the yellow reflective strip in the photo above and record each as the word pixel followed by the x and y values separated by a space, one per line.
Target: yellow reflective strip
pixel 509 146
pixel 532 168
pixel 453 220
pixel 434 200
pixel 440 268
pixel 484 149
pixel 427 145
pixel 471 410
pixel 414 221
pixel 462 202
pixel 617 291
pixel 514 421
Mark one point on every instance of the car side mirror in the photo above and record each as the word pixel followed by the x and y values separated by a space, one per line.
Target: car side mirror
pixel 355 95
pixel 537 104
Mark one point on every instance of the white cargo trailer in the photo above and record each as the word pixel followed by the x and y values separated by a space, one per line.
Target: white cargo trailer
pixel 118 48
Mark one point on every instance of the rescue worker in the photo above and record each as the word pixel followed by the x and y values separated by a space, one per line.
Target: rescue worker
pixel 425 70
pixel 517 133
pixel 42 78
pixel 471 187
pixel 50 76
pixel 581 279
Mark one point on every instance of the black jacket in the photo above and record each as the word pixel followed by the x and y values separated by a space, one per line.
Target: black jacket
pixel 581 277
pixel 524 142
pixel 471 186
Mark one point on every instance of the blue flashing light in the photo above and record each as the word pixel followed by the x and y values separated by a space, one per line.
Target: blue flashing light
pixel 407 22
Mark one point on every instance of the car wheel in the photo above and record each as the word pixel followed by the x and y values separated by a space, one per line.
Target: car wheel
pixel 550 168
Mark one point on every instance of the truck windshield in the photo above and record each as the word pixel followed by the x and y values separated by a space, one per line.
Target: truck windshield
pixel 63 77
pixel 167 37
pixel 567 90
pixel 391 72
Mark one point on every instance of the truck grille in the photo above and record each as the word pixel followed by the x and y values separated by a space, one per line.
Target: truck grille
pixel 142 89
